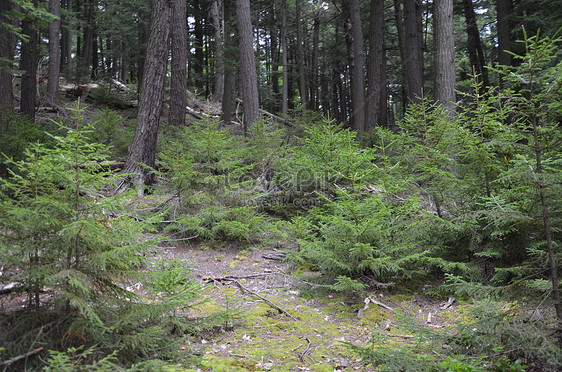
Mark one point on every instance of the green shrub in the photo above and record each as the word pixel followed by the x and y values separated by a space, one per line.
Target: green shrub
pixel 112 130
pixel 491 337
pixel 72 252
pixel 217 193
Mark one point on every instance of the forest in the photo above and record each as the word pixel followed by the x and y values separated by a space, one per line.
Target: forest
pixel 281 185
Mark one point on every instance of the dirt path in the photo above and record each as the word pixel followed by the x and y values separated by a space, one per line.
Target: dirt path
pixel 276 322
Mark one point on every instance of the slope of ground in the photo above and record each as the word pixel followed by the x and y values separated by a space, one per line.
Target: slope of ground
pixel 280 322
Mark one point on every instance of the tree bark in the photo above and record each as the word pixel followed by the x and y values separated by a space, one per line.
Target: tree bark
pixel 445 75
pixel 300 55
pixel 66 42
pixel 218 26
pixel 178 90
pixel 7 43
pixel 504 10
pixel 143 30
pixel 199 51
pixel 356 58
pixel 29 66
pixel 474 44
pixel 376 70
pixel 413 49
pixel 284 64
pixel 228 66
pixel 54 54
pixel 314 66
pixel 249 83
pixel 142 151
pixel 399 18
pixel 88 39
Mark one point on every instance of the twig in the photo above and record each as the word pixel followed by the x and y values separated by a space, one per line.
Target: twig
pixel 10 361
pixel 302 281
pixel 263 299
pixel 181 239
pixel 401 336
pixel 295 348
pixel 306 351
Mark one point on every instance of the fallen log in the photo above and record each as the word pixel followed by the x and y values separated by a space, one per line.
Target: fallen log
pixel 10 287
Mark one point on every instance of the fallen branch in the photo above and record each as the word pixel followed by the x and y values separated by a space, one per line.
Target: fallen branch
pixel 382 305
pixel 10 361
pixel 303 281
pixel 448 304
pixel 263 299
pixel 306 351
pixel 230 278
pixel 278 118
pixel 274 254
pixel 369 300
pixel 400 336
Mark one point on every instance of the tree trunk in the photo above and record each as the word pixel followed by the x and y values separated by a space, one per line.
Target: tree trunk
pixel 7 43
pixel 218 25
pixel 88 39
pixel 300 56
pixel 274 52
pixel 199 52
pixel 228 66
pixel 66 41
pixel 284 64
pixel 314 66
pixel 54 54
pixel 474 44
pixel 178 90
pixel 413 49
pixel 376 69
pixel 124 62
pixel 143 40
pixel 399 18
pixel 249 83
pixel 142 151
pixel 445 77
pixel 504 10
pixel 29 66
pixel 356 57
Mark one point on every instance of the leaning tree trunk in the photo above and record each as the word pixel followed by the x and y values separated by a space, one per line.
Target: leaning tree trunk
pixel 178 90
pixel 54 54
pixel 444 54
pixel 249 83
pixel 142 152
pixel 29 66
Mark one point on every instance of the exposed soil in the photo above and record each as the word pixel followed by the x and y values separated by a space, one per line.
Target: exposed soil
pixel 282 323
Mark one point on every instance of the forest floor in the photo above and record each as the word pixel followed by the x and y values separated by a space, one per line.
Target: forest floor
pixel 280 322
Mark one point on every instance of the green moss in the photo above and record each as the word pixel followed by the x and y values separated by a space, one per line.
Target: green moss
pixel 225 364
pixel 321 368
pixel 374 315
